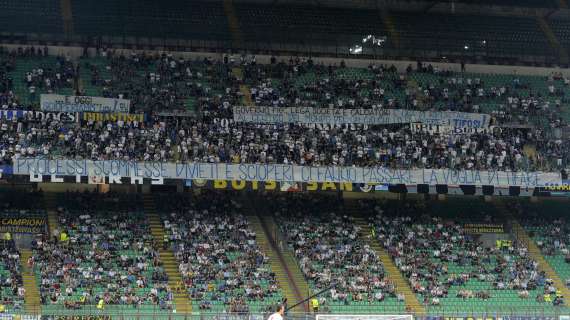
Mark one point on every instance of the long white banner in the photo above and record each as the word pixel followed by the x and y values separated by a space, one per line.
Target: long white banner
pixel 281 173
pixel 62 103
pixel 309 115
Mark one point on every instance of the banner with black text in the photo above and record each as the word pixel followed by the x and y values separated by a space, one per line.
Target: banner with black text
pixel 337 116
pixel 282 172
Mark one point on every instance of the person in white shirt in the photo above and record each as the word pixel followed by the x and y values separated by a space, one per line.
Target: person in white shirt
pixel 278 315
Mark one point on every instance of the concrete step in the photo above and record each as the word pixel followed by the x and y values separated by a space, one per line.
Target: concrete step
pixel 182 302
pixel 32 295
pixel 286 282
pixel 393 273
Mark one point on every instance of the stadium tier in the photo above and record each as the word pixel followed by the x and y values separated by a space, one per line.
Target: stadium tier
pixel 527 112
pixel 414 32
pixel 45 14
pixel 458 256
pixel 204 21
pixel 510 31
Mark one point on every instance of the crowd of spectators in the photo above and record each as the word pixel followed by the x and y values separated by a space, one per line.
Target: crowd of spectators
pixel 210 140
pixel 550 232
pixel 11 283
pixel 158 83
pixel 222 266
pixel 330 253
pixel 7 96
pixel 302 83
pixel 103 251
pixel 442 261
pixel 50 77
pixel 100 253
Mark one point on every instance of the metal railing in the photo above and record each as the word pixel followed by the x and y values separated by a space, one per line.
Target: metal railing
pixel 91 312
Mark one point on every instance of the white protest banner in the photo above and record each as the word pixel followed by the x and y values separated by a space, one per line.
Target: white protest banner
pixel 62 103
pixel 308 115
pixel 281 172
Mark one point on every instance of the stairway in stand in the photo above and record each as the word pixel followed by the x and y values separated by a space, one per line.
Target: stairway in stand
pixel 32 296
pixel 50 204
pixel 529 151
pixel 243 88
pixel 552 39
pixel 233 23
pixel 182 303
pixel 67 16
pixel 521 235
pixel 289 285
pixel 393 273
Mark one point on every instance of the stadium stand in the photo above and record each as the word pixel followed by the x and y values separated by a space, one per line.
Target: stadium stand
pixel 203 21
pixel 222 266
pixel 550 232
pixel 103 251
pixel 11 282
pixel 179 250
pixel 449 268
pixel 517 103
pixel 562 30
pixel 330 253
pixel 45 14
pixel 279 27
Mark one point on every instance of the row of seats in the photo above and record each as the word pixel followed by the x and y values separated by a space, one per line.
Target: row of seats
pixel 15 16
pixel 514 3
pixel 176 20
